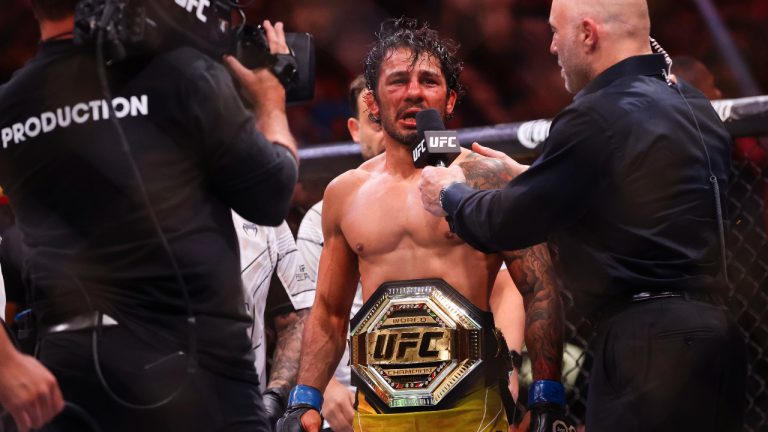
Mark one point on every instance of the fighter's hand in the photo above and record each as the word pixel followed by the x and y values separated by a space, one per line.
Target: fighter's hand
pixel 546 399
pixel 28 391
pixel 433 179
pixel 549 417
pixel 300 419
pixel 338 406
pixel 515 168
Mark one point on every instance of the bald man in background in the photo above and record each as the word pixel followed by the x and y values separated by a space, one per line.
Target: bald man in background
pixel 626 192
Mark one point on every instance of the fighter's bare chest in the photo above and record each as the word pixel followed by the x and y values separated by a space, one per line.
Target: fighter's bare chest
pixel 380 218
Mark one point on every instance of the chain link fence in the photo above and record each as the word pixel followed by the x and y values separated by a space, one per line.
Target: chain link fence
pixel 748 268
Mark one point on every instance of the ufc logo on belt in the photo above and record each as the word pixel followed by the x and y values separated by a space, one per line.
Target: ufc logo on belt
pixel 409 345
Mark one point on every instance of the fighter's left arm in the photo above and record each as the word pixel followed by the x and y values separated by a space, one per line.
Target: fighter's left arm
pixel 533 273
pixel 531 270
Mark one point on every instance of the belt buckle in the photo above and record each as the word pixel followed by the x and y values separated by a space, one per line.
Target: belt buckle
pixel 413 342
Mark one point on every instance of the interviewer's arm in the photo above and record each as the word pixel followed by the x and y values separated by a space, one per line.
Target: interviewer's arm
pixel 555 191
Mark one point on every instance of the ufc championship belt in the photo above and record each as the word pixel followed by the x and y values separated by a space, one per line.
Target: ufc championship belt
pixel 419 345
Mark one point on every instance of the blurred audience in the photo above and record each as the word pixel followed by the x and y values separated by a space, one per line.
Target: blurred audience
pixel 509 75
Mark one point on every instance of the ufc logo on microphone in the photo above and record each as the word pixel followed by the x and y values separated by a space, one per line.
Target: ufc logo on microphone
pixel 419 150
pixel 443 141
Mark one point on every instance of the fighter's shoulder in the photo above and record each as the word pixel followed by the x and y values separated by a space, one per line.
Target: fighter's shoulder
pixel 373 164
pixel 344 185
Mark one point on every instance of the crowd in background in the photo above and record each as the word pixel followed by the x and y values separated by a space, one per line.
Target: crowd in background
pixel 509 73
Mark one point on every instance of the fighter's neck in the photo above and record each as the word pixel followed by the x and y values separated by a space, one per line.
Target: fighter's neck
pixel 59 29
pixel 399 158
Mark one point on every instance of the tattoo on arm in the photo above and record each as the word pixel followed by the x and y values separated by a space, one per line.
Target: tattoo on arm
pixel 532 271
pixel 285 359
pixel 485 173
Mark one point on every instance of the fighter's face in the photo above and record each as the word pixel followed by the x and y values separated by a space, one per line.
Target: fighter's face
pixel 567 46
pixel 406 87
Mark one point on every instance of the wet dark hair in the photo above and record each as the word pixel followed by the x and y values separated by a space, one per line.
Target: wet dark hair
pixel 355 88
pixel 407 33
pixel 53 9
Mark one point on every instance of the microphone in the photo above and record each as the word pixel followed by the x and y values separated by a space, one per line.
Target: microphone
pixel 437 147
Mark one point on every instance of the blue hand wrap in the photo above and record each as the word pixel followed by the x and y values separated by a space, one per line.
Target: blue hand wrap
pixel 546 391
pixel 305 395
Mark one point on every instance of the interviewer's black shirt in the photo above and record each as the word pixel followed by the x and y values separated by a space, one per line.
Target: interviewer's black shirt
pixel 621 190
pixel 88 233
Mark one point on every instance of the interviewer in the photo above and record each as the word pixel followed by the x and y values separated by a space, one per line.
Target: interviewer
pixel 627 192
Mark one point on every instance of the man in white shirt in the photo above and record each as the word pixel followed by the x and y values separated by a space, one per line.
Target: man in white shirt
pixel 274 274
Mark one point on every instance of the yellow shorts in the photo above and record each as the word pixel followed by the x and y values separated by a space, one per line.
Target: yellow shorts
pixel 481 410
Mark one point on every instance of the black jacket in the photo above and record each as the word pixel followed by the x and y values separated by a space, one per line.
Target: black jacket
pixel 621 191
pixel 87 230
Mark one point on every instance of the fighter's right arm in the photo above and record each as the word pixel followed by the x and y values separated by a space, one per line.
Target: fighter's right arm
pixel 326 328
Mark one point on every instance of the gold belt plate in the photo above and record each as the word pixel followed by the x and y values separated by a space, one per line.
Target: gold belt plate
pixel 415 341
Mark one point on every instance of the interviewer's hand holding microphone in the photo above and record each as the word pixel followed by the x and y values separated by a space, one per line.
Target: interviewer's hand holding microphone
pixel 437 176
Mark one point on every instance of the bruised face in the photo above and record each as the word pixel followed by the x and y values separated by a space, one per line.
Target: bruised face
pixel 567 45
pixel 406 87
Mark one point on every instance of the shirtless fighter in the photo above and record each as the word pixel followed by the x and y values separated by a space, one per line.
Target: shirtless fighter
pixel 424 349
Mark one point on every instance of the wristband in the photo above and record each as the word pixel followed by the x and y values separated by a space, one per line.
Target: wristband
pixel 305 395
pixel 546 391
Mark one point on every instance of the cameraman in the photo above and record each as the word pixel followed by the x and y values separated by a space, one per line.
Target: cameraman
pixel 139 306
